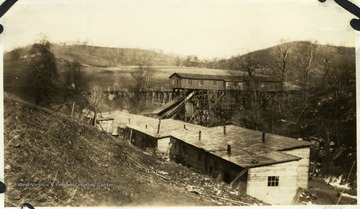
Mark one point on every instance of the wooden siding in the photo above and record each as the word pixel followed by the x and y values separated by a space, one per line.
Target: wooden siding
pixel 106 125
pixel 163 144
pixel 184 83
pixel 221 82
pixel 141 140
pixel 187 155
pixel 257 184
pixel 199 159
pixel 302 165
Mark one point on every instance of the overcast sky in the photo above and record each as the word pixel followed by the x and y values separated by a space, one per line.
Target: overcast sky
pixel 188 27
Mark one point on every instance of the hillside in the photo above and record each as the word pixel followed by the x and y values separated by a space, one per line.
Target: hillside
pixel 100 56
pixel 53 160
pixel 268 61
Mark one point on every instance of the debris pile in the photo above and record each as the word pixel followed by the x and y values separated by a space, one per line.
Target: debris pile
pixel 308 195
pixel 202 185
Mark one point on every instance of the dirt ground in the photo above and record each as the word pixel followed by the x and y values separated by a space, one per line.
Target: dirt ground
pixel 321 193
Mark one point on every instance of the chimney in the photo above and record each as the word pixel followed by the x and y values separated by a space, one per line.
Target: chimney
pixel 263 137
pixel 229 149
pixel 224 130
pixel 199 135
pixel 129 120
pixel 184 126
pixel 146 126
pixel 158 129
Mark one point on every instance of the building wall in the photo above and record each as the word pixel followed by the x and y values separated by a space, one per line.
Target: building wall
pixel 257 183
pixel 141 140
pixel 197 158
pixel 106 125
pixel 187 155
pixel 176 82
pixel 302 165
pixel 163 144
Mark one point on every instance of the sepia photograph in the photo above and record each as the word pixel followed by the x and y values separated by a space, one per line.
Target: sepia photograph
pixel 178 103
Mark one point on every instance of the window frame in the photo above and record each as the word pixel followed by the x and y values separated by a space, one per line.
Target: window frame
pixel 273 181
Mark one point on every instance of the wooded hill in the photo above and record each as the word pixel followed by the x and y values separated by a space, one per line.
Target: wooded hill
pixel 295 55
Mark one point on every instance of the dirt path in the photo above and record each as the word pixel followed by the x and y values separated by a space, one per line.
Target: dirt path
pixel 327 195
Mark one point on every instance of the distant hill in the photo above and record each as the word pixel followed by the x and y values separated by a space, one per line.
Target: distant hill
pixel 104 56
pixel 266 63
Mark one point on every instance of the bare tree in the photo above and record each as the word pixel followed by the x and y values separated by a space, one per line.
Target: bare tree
pixel 305 60
pixel 142 77
pixel 281 55
pixel 74 81
pixel 96 98
pixel 253 99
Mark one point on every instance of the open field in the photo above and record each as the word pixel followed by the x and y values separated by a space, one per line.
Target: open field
pixel 121 77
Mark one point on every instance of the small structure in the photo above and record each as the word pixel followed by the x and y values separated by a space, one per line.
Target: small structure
pixel 105 124
pixel 267 166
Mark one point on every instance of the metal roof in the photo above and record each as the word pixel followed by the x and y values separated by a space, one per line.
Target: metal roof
pixel 222 77
pixel 247 148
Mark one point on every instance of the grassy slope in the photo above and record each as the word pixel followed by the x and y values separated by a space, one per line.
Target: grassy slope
pixel 42 147
pixel 106 56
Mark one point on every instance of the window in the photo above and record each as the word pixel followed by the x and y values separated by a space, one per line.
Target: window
pixel 273 181
pixel 190 81
pixel 177 82
pixel 201 82
pixel 215 82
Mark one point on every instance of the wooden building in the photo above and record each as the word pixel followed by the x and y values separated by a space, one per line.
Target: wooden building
pixel 196 81
pixel 105 124
pixel 267 166
pixel 223 82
